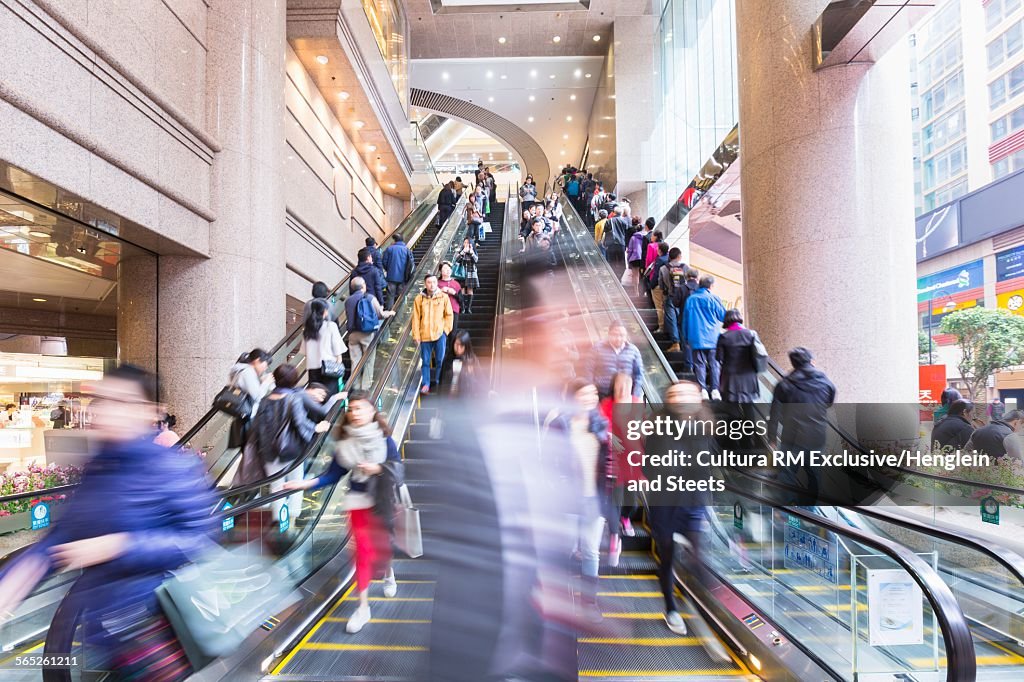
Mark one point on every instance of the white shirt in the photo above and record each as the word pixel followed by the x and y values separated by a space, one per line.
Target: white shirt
pixel 327 346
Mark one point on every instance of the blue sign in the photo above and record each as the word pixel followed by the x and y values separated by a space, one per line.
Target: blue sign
pixel 1010 264
pixel 40 516
pixel 228 523
pixel 283 519
pixel 952 281
pixel 808 552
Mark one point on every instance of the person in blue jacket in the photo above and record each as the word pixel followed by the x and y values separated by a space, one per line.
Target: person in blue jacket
pixel 373 277
pixel 399 264
pixel 703 314
pixel 365 448
pixel 141 511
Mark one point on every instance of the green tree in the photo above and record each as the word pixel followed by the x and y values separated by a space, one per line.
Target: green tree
pixel 924 356
pixel 990 340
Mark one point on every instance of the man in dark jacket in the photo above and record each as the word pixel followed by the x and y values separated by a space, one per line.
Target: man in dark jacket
pixel 999 437
pixel 370 274
pixel 399 265
pixel 955 430
pixel 800 406
pixel 371 244
pixel 614 238
pixel 446 202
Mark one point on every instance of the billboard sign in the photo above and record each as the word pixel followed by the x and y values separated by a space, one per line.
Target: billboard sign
pixel 1010 264
pixel 950 282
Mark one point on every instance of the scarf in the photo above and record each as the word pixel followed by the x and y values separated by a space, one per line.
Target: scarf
pixel 361 444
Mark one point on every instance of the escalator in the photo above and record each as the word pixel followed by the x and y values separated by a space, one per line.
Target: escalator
pixel 986 577
pixel 314 538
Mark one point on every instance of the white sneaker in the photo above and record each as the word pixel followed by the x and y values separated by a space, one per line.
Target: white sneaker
pixel 704 393
pixel 614 550
pixel 675 622
pixel 715 395
pixel 627 527
pixel 360 618
pixel 390 584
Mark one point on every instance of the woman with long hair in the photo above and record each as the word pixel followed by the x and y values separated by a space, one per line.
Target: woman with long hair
pixel 623 503
pixel 468 258
pixel 467 376
pixel 365 448
pixel 321 340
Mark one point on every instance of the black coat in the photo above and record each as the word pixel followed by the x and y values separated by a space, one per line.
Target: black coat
pixel 735 351
pixel 373 278
pixel 952 432
pixel 800 406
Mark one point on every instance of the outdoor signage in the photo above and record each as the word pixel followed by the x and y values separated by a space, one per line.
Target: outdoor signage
pixel 1010 264
pixel 952 281
pixel 937 232
pixel 931 380
pixel 1012 301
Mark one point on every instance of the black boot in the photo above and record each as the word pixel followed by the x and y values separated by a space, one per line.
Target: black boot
pixel 469 304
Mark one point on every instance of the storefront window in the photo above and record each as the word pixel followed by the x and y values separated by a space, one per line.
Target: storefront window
pixel 74 301
pixel 388 24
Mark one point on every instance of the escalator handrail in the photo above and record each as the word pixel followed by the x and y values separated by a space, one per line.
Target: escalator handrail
pixel 316 444
pixel 1009 559
pixel 295 332
pixel 499 317
pixel 960 654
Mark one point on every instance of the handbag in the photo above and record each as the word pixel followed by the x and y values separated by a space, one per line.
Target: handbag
pixel 408 536
pixel 758 355
pixel 234 401
pixel 459 271
pixel 332 369
pixel 214 604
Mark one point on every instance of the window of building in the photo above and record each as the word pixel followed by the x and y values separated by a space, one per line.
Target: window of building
pixel 997 10
pixel 942 60
pixel 997 93
pixel 944 95
pixel 1007 44
pixel 946 165
pixel 1008 124
pixel 1005 166
pixel 943 132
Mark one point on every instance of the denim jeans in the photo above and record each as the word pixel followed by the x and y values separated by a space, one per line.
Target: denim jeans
pixel 433 349
pixel 591 529
pixel 705 365
pixel 674 323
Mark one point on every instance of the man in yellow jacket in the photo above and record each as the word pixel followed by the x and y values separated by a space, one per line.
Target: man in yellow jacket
pixel 432 319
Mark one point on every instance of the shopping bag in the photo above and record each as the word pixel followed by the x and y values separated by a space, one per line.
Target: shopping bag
pixel 627 278
pixel 214 604
pixel 408 535
pixel 486 227
pixel 459 271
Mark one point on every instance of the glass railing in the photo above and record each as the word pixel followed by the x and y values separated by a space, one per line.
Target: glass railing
pixel 210 436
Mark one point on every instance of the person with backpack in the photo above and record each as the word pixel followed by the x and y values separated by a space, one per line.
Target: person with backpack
pixel 572 188
pixel 672 281
pixel 635 257
pixel 446 202
pixel 432 319
pixel 280 434
pixel 365 448
pixel 653 273
pixel 742 357
pixel 399 265
pixel 246 375
pixel 363 317
pixel 447 283
pixel 614 238
pixel 323 348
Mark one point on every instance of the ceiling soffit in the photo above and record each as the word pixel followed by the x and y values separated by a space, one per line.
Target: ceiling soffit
pixel 533 157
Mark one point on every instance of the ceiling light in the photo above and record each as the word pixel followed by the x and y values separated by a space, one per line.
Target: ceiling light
pixel 533 98
pixel 556 39
pixel 371 147
pixel 533 73
pixel 444 75
pixel 587 75
pixel 392 185
pixel 358 124
pixel 343 95
pixel 503 76
pixel 597 38
pixel 382 168
pixel 530 119
pixel 578 72
pixel 552 76
pixel 562 153
pixel 572 97
pixel 565 137
pixel 569 119
pixel 490 74
pixel 37 233
pixel 39 300
pixel 322 58
pixel 502 40
pixel 490 99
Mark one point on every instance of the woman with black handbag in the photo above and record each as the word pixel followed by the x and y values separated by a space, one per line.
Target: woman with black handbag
pixel 323 347
pixel 366 449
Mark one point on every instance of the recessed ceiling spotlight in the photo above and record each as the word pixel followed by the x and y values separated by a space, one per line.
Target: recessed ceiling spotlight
pixel 572 97
pixel 444 75
pixel 504 77
pixel 382 168
pixel 490 99
pixel 392 185
pixel 533 98
pixel 552 76
pixel 578 72
pixel 530 119
pixel 556 39
pixel 562 153
pixel 490 74
pixel 597 38
pixel 533 73
pixel 39 300
pixel 587 75
pixel 565 137
pixel 343 95
pixel 371 147
pixel 358 124
pixel 502 40
pixel 569 119
pixel 322 59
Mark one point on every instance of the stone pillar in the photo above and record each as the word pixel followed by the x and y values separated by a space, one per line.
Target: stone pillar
pixel 211 310
pixel 137 288
pixel 828 204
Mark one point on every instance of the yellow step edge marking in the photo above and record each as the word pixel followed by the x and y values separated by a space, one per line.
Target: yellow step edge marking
pixel 330 646
pixel 291 654
pixel 982 660
pixel 642 641
pixel 642 616
pixel 400 621
pixel 696 672
pixel 991 642
pixel 356 598
pixel 629 594
pixel 30 650
pixel 638 576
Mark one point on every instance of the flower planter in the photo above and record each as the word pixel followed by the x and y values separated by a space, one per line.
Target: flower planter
pixel 23 520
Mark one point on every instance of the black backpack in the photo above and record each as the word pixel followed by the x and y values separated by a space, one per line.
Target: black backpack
pixel 679 291
pixel 285 446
